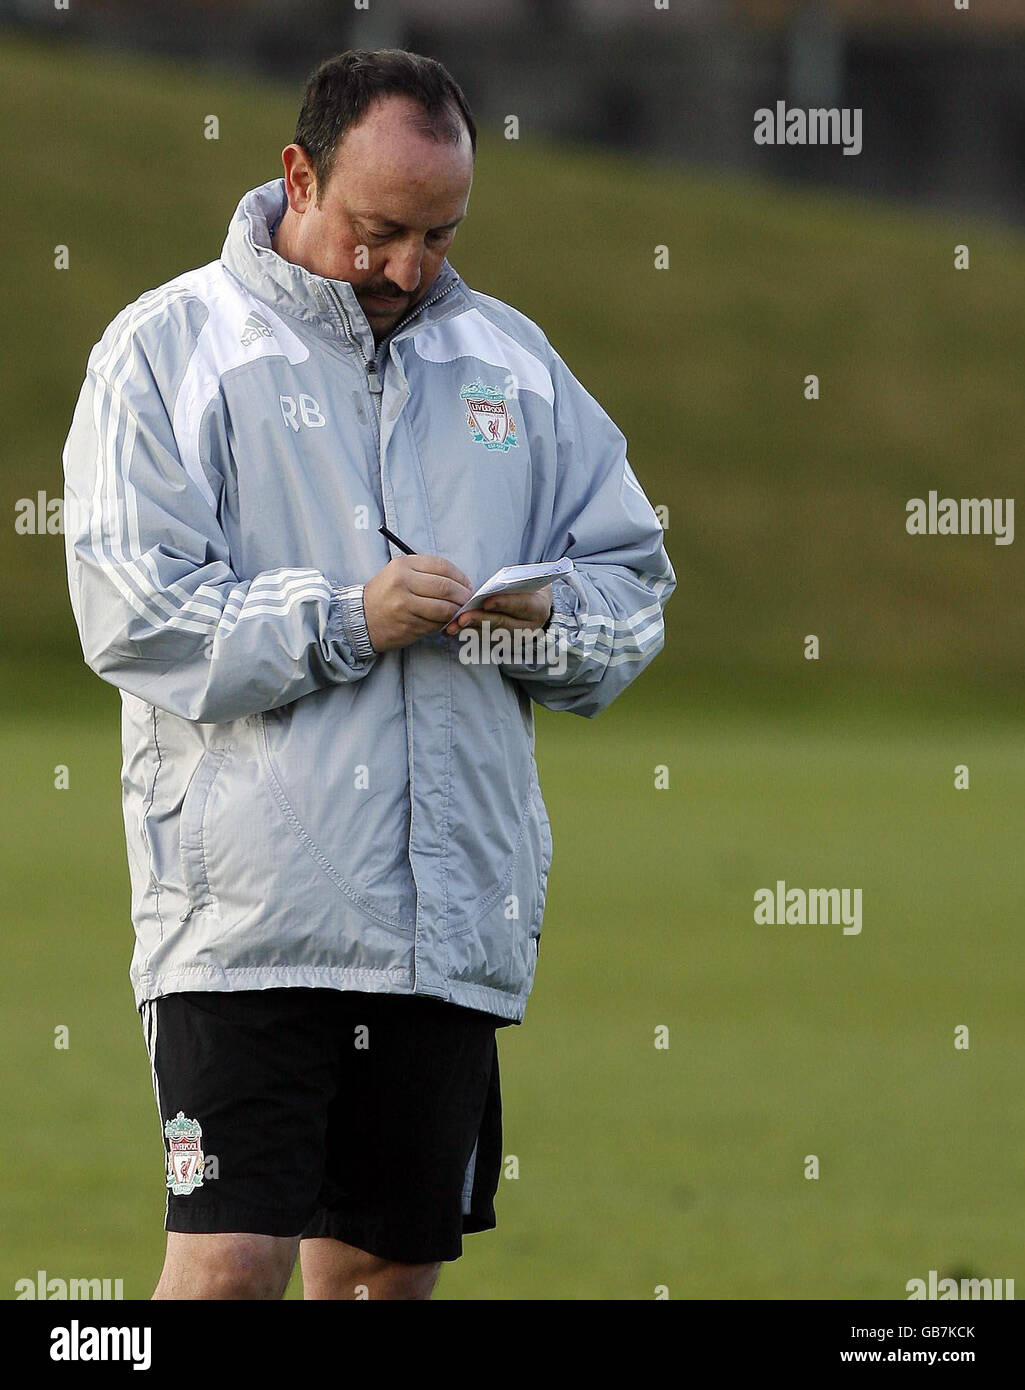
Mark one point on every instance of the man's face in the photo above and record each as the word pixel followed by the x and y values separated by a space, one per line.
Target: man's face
pixel 387 215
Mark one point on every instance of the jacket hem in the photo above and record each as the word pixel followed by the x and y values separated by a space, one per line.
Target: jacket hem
pixel 226 980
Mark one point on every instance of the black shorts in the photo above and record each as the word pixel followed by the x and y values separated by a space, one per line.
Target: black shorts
pixel 372 1118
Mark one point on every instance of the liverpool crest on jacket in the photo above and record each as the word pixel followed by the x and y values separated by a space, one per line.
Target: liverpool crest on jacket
pixel 488 416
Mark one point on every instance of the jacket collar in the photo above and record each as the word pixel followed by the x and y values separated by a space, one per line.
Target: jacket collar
pixel 293 290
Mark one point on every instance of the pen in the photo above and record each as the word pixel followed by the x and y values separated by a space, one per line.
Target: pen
pixel 390 535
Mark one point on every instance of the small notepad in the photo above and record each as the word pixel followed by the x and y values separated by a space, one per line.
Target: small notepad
pixel 518 579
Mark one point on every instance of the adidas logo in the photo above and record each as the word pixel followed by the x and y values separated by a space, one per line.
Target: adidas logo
pixel 255 328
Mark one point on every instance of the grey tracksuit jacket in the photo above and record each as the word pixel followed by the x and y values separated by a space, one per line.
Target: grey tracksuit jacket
pixel 299 809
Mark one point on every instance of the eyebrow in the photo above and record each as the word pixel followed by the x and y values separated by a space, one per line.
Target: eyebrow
pixel 398 226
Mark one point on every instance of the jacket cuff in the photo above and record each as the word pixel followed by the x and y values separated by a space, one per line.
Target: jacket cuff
pixel 347 605
pixel 565 597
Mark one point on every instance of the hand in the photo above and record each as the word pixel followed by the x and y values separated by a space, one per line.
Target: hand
pixel 411 596
pixel 530 610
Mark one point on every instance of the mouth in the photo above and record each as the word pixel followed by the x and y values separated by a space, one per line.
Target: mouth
pixel 381 304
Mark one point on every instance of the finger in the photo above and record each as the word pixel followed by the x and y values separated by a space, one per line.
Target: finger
pixel 476 618
pixel 516 606
pixel 435 611
pixel 438 565
pixel 473 617
pixel 437 586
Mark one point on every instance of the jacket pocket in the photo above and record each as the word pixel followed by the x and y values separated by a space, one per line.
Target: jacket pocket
pixel 191 840
pixel 327 817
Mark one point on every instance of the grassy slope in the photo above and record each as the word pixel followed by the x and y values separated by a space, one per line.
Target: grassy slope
pixel 786 517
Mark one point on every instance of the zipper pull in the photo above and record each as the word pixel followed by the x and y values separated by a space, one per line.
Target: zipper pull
pixel 373 377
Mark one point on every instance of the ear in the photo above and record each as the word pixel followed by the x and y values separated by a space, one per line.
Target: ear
pixel 300 180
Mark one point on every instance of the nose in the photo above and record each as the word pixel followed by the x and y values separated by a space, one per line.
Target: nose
pixel 403 268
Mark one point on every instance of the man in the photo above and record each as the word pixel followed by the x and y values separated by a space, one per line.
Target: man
pixel 338 847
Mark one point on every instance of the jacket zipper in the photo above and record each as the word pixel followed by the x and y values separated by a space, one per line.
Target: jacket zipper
pixel 374 382
pixel 369 364
pixel 427 304
pixel 376 388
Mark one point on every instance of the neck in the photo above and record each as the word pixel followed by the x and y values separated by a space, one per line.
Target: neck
pixel 283 240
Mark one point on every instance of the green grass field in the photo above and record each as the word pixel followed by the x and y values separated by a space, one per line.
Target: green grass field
pixel 638 1167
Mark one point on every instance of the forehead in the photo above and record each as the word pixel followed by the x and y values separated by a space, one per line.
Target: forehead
pixel 387 167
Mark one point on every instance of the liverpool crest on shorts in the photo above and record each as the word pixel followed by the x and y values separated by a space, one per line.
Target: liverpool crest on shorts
pixel 184 1155
pixel 487 416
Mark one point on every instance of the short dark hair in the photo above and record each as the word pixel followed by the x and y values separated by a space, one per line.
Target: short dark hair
pixel 341 90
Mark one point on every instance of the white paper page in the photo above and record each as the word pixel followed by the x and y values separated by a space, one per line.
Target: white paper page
pixel 513 579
